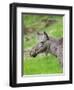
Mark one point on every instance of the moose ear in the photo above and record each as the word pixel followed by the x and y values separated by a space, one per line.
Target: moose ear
pixel 46 35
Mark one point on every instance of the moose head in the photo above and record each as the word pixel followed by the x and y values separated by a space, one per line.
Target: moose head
pixel 40 47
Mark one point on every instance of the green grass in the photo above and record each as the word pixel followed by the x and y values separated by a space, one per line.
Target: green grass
pixel 31 42
pixel 41 64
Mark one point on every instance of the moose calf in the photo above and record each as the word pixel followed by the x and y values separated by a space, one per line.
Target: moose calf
pixel 48 45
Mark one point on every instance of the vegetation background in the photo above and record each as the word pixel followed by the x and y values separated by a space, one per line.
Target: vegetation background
pixel 53 26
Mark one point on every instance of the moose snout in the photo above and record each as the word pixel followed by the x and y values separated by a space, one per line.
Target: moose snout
pixel 33 53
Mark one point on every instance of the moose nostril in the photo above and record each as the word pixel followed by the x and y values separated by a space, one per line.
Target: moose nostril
pixel 33 54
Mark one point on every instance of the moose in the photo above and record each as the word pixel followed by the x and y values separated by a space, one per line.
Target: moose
pixel 47 45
